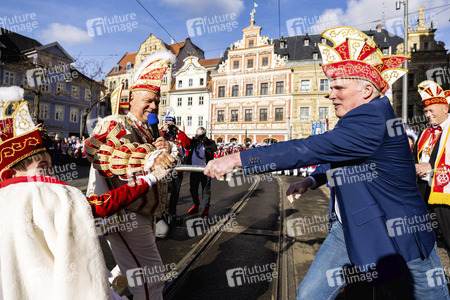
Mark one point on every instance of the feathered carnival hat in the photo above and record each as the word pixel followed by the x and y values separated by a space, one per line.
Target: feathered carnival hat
pixel 355 55
pixel 148 76
pixel 432 93
pixel 19 137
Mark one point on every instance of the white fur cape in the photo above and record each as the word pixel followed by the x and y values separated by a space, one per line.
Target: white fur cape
pixel 49 248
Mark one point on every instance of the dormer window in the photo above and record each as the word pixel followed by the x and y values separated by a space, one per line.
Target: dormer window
pixel 324 41
pixel 129 65
pixel 315 55
pixel 282 44
pixel 306 42
pixel 116 68
pixel 251 43
pixel 286 57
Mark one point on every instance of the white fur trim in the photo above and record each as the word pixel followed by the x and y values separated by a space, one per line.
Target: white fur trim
pixel 165 55
pixel 11 93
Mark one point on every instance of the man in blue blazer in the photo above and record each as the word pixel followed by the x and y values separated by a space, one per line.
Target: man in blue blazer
pixel 380 226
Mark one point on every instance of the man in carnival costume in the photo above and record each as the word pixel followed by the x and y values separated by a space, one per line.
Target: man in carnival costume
pixel 432 158
pixel 121 147
pixel 372 235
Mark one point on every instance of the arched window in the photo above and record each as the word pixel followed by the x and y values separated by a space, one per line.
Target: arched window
pixel 220 140
pixel 233 140
pixel 126 84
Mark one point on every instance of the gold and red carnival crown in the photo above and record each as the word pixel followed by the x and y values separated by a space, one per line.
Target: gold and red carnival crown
pixel 355 55
pixel 19 137
pixel 432 93
pixel 150 72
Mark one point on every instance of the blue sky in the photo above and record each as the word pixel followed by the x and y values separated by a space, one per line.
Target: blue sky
pixel 75 25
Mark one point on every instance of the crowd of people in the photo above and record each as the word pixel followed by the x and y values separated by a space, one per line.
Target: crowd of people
pixel 65 150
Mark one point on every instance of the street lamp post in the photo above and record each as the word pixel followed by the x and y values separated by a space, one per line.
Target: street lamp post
pixel 405 63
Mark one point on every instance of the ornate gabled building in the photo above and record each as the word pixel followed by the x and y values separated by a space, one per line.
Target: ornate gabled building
pixel 190 95
pixel 251 92
pixel 429 61
pixel 123 70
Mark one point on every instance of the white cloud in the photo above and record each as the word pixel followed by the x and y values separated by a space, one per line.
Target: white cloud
pixel 208 7
pixel 64 34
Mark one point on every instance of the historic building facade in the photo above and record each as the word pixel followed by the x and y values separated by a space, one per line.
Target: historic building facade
pixel 190 95
pixel 251 92
pixel 61 93
pixel 123 71
pixel 429 61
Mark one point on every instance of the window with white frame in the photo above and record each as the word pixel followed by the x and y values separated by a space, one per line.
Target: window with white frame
pixel 164 79
pixel 44 110
pixel 324 85
pixel 179 101
pixel 263 114
pixel 75 92
pixel 45 87
pixel 191 81
pixel 164 100
pixel 59 112
pixel 202 81
pixel 248 115
pixel 189 101
pixel 189 121
pixel 87 95
pixel 323 113
pixel 305 85
pixel 73 114
pixel 59 87
pixel 304 113
pixel 200 120
pixel 180 83
pixel 279 114
pixel 200 100
pixel 8 78
pixel 220 116
pixel 234 115
pixel 179 121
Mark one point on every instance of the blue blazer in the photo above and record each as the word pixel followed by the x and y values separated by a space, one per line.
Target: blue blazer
pixel 368 162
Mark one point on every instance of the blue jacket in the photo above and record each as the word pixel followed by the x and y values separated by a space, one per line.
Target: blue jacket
pixel 369 162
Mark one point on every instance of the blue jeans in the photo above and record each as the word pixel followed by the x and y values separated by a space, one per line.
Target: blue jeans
pixel 321 282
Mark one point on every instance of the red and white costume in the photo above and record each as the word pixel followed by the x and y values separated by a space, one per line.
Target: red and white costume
pixel 120 148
